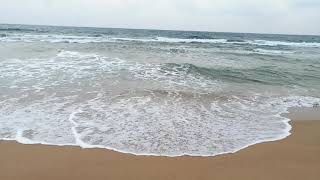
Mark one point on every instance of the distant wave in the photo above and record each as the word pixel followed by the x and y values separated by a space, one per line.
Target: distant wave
pixel 172 40
pixel 284 43
pixel 199 37
pixel 54 38
pixel 223 41
pixel 98 38
pixel 17 29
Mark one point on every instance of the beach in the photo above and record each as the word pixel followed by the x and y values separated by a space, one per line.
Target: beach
pixel 294 158
pixel 79 103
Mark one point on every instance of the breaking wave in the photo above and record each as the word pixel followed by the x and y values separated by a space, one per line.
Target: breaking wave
pixel 98 38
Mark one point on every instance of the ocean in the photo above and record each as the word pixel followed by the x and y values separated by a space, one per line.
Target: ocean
pixel 152 92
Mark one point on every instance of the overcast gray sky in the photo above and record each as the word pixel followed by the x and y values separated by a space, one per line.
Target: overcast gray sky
pixel 262 16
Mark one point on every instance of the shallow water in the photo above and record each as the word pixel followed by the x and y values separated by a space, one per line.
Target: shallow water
pixel 152 92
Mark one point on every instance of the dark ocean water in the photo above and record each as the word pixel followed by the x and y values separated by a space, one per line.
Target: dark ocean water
pixel 152 92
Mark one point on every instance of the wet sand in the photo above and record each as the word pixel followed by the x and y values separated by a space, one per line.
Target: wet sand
pixel 294 158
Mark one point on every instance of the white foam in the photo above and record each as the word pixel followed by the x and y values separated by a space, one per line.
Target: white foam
pixel 284 43
pixel 54 38
pixel 178 40
pixel 222 41
pixel 57 38
pixel 276 52
pixel 93 101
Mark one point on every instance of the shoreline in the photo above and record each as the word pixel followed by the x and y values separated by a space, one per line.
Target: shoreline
pixel 295 157
pixel 295 114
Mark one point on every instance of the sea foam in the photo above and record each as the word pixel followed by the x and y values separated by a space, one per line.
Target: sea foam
pixel 94 101
pixel 57 38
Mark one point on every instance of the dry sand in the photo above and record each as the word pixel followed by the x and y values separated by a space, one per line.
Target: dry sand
pixel 295 158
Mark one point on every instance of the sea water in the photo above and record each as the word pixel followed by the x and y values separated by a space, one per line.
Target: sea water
pixel 152 92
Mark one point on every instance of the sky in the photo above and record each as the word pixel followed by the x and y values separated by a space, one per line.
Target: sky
pixel 259 16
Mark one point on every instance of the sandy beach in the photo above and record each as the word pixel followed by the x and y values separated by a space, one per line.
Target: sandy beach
pixel 294 158
pixel 98 96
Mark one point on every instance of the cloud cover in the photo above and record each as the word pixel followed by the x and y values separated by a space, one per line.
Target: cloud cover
pixel 263 16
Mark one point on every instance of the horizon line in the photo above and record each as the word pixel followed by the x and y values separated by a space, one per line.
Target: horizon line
pixel 155 29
